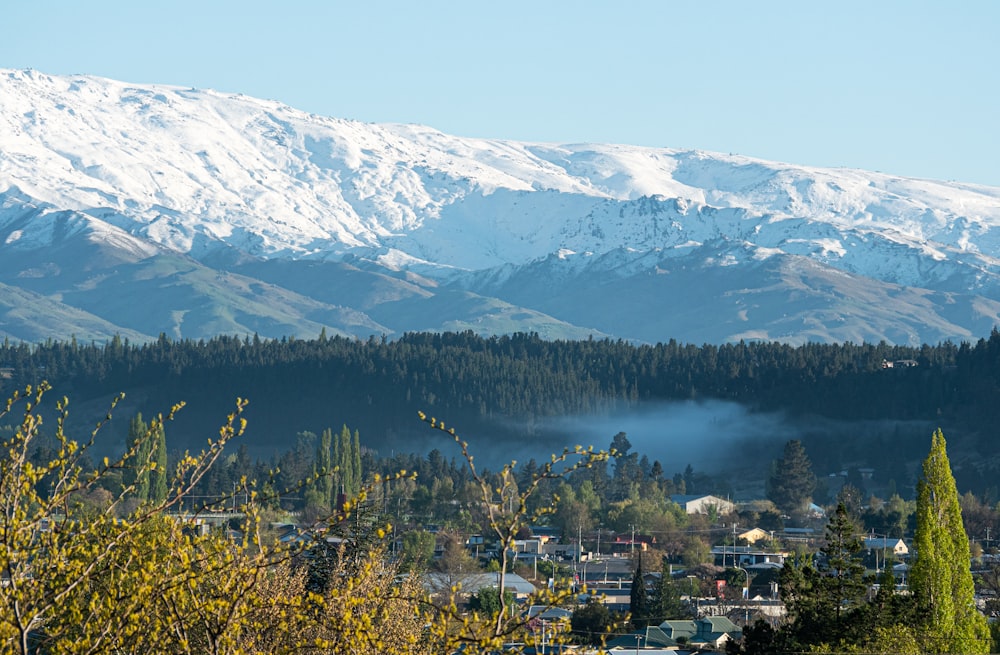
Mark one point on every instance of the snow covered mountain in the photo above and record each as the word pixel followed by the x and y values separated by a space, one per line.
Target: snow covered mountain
pixel 143 209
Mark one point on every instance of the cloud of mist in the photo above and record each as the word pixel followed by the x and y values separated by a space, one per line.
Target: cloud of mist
pixel 706 434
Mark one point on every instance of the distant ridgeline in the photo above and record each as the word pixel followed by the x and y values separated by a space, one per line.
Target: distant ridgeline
pixel 496 389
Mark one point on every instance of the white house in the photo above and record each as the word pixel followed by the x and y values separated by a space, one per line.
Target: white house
pixel 702 504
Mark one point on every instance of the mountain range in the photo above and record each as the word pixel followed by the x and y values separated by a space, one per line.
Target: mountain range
pixel 140 210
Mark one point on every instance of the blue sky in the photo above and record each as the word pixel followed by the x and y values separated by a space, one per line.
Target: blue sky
pixel 909 88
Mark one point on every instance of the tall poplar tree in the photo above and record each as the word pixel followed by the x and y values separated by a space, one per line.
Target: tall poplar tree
pixel 324 464
pixel 941 578
pixel 138 438
pixel 158 475
pixel 356 473
pixel 344 460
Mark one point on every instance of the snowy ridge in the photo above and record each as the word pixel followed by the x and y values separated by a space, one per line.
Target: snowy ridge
pixel 147 169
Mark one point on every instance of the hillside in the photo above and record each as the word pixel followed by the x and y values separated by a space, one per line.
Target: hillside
pixel 144 209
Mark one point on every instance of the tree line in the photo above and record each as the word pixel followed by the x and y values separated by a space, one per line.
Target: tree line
pixel 504 388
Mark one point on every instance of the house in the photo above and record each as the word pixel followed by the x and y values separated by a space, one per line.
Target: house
pixel 710 632
pixel 546 533
pixel 472 583
pixel 798 534
pixel 564 552
pixel 900 363
pixel 651 637
pixel 628 543
pixel 754 535
pixel 896 546
pixel 703 504
pixel 747 556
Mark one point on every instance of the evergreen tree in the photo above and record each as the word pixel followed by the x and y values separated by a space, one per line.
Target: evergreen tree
pixel 666 603
pixel 844 550
pixel 941 579
pixel 792 481
pixel 638 605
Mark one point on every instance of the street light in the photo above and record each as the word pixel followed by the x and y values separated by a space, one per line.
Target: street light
pixel 746 594
pixel 693 597
pixel 746 584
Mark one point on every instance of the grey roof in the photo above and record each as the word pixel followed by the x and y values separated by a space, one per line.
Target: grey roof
pixel 651 637
pixel 708 629
pixel 471 583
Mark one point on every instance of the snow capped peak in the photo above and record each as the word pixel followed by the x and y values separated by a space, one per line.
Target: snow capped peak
pixel 153 168
pixel 179 166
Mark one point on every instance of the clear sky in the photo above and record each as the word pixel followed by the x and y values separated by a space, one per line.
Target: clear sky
pixel 903 87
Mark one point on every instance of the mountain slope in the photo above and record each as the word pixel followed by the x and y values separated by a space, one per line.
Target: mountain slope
pixel 165 209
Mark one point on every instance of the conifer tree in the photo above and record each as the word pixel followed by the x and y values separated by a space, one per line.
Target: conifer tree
pixel 638 598
pixel 941 578
pixel 792 481
pixel 843 562
pixel 666 602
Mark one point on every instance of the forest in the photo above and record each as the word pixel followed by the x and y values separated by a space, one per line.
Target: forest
pixel 506 393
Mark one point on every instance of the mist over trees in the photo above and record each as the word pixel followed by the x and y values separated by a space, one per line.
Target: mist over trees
pixel 839 401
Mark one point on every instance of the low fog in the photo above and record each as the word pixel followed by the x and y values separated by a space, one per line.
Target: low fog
pixel 708 435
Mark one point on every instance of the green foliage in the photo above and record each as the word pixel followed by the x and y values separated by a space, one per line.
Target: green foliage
pixel 940 577
pixel 158 474
pixel 487 601
pixel 418 550
pixel 592 622
pixel 665 603
pixel 846 580
pixel 792 481
pixel 639 606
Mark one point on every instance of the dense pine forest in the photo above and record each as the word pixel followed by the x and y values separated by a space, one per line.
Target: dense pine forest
pixel 843 401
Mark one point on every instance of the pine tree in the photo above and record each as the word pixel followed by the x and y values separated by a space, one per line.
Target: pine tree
pixel 638 598
pixel 941 579
pixel 666 602
pixel 847 585
pixel 792 481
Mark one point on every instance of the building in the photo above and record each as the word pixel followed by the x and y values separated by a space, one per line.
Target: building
pixel 747 556
pixel 472 583
pixel 892 545
pixel 703 504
